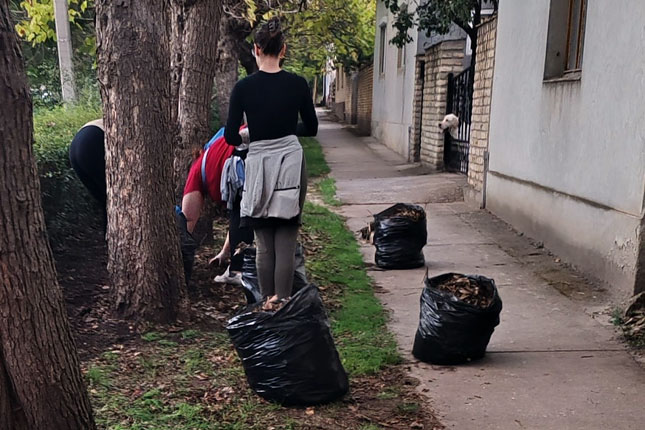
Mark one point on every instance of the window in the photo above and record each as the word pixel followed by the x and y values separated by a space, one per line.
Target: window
pixel 382 45
pixel 400 61
pixel 565 39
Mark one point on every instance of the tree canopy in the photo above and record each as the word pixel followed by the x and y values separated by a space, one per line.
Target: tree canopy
pixel 36 18
pixel 319 30
pixel 434 16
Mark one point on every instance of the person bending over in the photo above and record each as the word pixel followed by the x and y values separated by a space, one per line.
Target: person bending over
pixel 87 157
pixel 204 179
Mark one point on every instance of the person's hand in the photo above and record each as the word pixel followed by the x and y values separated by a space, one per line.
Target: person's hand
pixel 244 134
pixel 220 259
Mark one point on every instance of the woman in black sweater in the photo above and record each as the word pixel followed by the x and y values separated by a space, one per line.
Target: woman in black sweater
pixel 272 99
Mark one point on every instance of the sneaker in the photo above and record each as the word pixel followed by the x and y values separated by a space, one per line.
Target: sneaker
pixel 227 278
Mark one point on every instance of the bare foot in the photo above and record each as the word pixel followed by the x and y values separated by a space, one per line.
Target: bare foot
pixel 270 303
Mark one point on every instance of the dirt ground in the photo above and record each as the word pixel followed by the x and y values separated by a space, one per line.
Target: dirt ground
pixel 387 400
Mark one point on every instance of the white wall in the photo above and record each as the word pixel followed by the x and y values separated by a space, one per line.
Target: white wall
pixel 394 90
pixel 552 144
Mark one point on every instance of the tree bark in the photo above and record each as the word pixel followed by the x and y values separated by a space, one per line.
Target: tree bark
pixel 144 260
pixel 199 49
pixel 41 386
pixel 227 65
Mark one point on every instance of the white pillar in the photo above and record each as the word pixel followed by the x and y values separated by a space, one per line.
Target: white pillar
pixel 64 41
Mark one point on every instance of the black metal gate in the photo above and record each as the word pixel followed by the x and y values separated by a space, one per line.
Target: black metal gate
pixel 460 103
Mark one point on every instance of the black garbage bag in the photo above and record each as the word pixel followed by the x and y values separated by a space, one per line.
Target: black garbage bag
pixel 250 281
pixel 400 233
pixel 187 243
pixel 289 355
pixel 452 331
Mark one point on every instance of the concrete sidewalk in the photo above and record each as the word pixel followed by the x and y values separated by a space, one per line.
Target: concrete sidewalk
pixel 553 363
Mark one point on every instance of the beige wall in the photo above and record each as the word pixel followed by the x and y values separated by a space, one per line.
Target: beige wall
pixel 484 69
pixel 365 89
pixel 440 60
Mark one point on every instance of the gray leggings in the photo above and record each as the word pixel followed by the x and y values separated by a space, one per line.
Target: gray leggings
pixel 276 248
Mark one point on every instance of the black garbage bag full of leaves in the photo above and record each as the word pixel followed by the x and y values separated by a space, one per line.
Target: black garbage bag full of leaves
pixel 400 233
pixel 289 355
pixel 458 316
pixel 250 281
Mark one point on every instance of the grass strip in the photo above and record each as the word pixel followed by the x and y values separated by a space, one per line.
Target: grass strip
pixel 359 324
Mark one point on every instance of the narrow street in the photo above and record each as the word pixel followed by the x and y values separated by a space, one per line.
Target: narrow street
pixel 554 362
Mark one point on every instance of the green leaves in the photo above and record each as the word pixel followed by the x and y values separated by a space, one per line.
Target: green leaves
pixel 433 16
pixel 40 26
pixel 342 30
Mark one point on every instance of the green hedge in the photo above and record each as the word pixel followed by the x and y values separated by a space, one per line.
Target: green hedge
pixel 66 203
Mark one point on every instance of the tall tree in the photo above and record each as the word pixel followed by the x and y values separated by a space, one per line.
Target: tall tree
pixel 41 386
pixel 316 31
pixel 232 47
pixel 437 16
pixel 134 72
pixel 64 43
pixel 195 29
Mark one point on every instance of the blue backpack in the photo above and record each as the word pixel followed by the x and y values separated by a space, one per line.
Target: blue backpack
pixel 219 134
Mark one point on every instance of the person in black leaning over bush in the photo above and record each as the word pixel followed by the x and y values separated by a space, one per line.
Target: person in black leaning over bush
pixel 275 185
pixel 87 156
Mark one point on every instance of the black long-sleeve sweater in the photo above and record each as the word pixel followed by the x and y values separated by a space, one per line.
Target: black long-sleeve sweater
pixel 272 102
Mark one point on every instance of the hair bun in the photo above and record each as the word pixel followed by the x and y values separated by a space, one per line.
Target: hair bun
pixel 274 27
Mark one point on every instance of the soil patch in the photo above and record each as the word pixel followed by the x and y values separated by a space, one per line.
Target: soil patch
pixel 188 375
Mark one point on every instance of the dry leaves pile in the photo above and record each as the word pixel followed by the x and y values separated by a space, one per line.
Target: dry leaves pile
pixel 634 320
pixel 467 290
pixel 406 212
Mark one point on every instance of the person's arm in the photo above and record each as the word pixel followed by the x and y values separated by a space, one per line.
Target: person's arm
pixel 309 124
pixel 193 200
pixel 235 116
pixel 191 206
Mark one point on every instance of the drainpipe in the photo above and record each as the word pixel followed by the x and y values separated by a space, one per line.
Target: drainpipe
pixel 486 153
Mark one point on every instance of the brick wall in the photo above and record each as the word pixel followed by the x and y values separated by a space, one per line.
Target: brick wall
pixel 415 149
pixel 351 84
pixel 440 60
pixel 352 98
pixel 342 94
pixel 365 85
pixel 484 67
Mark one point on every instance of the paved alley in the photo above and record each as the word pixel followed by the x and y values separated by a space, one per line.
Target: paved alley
pixel 554 362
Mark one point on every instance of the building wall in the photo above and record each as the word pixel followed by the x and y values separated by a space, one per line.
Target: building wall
pixel 417 109
pixel 365 89
pixel 440 60
pixel 567 158
pixel 353 98
pixel 393 90
pixel 482 92
pixel 342 93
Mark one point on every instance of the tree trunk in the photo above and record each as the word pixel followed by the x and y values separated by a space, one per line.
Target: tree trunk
pixel 144 261
pixel 199 49
pixel 227 65
pixel 64 43
pixel 41 386
pixel 315 89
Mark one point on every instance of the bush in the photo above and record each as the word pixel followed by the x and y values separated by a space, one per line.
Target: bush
pixel 66 203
